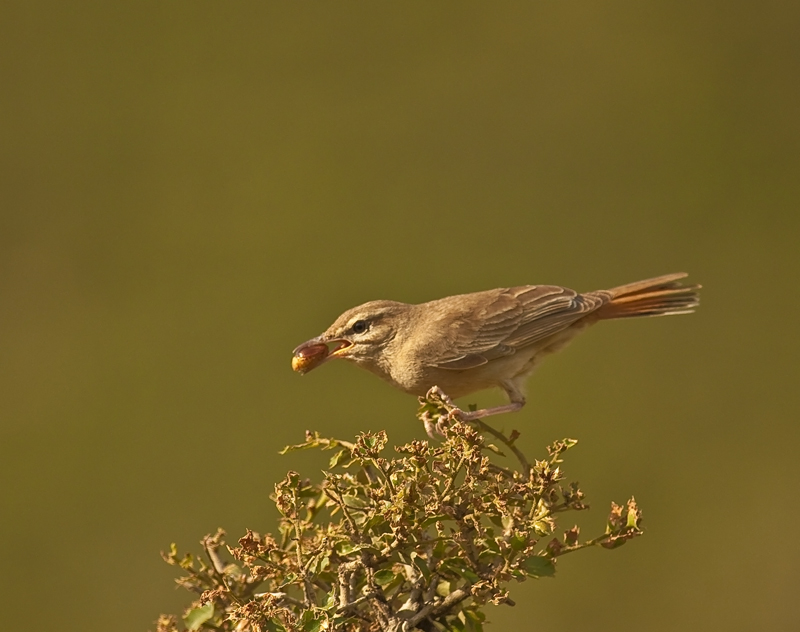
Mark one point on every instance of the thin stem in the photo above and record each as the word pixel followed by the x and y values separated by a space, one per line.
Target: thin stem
pixel 217 565
pixel 430 610
pixel 384 475
pixel 452 479
pixel 308 590
pixel 332 495
pixel 508 442
pixel 577 547
pixel 354 604
pixel 281 596
pixel 497 469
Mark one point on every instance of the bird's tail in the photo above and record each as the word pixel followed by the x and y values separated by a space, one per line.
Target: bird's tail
pixel 660 296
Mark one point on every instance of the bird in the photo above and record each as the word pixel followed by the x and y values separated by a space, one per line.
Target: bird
pixel 461 344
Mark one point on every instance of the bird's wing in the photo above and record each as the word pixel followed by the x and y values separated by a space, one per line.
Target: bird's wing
pixel 505 320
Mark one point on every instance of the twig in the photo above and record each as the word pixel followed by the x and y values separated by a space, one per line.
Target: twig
pixel 218 566
pixel 308 590
pixel 346 574
pixel 508 442
pixel 354 604
pixel 338 500
pixel 452 478
pixel 384 475
pixel 281 596
pixel 431 610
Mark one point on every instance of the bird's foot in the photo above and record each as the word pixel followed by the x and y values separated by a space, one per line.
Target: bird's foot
pixel 436 395
pixel 438 411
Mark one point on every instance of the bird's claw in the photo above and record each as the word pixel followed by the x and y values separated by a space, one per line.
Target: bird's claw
pixel 456 414
pixel 438 412
pixel 431 425
pixel 437 396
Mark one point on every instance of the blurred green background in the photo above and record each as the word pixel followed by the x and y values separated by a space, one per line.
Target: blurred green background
pixel 190 189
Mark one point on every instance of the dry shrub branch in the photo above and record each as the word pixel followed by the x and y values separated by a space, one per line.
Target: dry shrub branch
pixel 422 540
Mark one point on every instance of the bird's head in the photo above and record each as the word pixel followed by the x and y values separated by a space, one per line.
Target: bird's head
pixel 359 335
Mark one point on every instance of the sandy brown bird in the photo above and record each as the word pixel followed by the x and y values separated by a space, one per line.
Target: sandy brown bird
pixel 471 342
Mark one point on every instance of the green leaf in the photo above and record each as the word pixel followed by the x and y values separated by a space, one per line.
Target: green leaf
pixel 198 616
pixel 474 620
pixel 275 625
pixel 373 522
pixel 354 501
pixel 340 622
pixel 309 623
pixel 337 458
pixel 422 565
pixel 384 576
pixel 493 448
pixel 489 544
pixel 321 562
pixel 470 575
pixel 539 566
pixel 289 578
pixel 397 581
pixel 634 515
pixel 460 567
pixel 346 548
pixel 429 521
pixel 541 527
pixel 233 570
pixel 300 446
pixel 518 542
pixel 443 589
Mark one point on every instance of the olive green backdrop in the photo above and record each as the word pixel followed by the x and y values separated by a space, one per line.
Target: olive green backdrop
pixel 190 189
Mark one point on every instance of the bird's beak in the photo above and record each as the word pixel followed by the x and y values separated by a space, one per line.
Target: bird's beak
pixel 316 351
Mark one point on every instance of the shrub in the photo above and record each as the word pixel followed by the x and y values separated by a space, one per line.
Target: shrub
pixel 423 540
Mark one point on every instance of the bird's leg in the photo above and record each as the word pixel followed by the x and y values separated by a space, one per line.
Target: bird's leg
pixel 516 402
pixel 435 411
pixel 472 415
pixel 437 397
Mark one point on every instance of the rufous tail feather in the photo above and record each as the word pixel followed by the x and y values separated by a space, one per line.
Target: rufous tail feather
pixel 661 296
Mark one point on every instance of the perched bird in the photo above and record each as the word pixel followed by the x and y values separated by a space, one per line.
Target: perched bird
pixel 471 342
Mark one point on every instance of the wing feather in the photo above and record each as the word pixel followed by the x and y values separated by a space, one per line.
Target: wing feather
pixel 508 319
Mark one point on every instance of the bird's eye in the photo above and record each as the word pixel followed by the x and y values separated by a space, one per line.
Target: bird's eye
pixel 360 326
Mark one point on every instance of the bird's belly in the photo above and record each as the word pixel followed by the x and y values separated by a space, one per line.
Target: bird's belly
pixel 514 368
pixel 465 382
